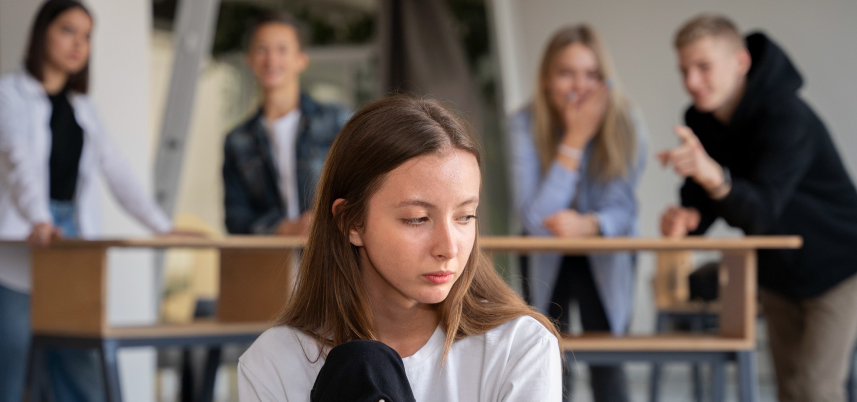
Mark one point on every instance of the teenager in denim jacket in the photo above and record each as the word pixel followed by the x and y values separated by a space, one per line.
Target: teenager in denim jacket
pixel 273 161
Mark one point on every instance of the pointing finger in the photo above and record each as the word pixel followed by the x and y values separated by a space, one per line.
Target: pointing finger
pixel 686 135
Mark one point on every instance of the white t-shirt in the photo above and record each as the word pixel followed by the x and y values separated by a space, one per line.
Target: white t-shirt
pixel 517 361
pixel 284 136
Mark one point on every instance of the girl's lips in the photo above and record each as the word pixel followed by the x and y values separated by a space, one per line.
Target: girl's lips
pixel 438 277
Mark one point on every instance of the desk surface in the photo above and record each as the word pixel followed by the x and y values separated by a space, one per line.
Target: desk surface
pixel 487 243
pixel 668 342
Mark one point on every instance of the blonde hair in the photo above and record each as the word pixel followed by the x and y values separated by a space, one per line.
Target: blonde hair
pixel 330 303
pixel 708 25
pixel 615 143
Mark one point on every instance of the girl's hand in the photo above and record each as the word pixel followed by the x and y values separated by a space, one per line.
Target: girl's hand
pixel 43 234
pixel 570 223
pixel 583 117
pixel 677 222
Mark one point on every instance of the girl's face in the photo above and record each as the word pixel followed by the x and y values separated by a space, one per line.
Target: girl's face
pixel 67 41
pixel 420 229
pixel 275 56
pixel 573 74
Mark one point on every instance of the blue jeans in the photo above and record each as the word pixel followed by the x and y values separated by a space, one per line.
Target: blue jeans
pixel 75 374
pixel 65 217
pixel 14 343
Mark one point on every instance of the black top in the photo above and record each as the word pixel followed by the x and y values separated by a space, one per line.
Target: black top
pixel 66 147
pixel 787 178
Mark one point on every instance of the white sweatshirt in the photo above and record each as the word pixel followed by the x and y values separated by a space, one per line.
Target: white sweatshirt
pixel 517 361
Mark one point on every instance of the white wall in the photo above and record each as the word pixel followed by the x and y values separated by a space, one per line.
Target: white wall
pixel 15 19
pixel 818 35
pixel 120 89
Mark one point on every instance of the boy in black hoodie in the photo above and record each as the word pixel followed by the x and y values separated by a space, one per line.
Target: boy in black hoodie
pixel 756 155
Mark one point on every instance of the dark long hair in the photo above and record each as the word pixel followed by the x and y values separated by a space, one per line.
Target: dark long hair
pixel 330 303
pixel 36 52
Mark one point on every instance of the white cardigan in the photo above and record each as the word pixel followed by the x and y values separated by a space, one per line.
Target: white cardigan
pixel 25 150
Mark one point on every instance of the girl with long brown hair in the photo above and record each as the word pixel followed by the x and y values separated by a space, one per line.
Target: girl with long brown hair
pixel 577 153
pixel 394 300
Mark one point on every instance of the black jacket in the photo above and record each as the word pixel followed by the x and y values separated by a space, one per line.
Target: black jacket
pixel 787 178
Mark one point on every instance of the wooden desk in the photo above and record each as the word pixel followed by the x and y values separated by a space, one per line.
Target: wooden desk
pixel 69 278
pixel 736 339
pixel 69 287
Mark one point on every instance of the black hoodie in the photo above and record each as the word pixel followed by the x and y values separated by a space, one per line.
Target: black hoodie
pixel 787 178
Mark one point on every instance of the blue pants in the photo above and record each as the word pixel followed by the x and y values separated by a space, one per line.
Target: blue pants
pixel 75 374
pixel 14 343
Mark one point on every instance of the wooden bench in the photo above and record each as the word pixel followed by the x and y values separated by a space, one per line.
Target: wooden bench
pixel 69 302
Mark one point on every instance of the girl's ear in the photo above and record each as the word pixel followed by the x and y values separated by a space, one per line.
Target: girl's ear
pixel 354 235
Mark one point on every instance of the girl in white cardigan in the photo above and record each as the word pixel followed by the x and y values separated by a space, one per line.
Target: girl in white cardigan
pixel 52 151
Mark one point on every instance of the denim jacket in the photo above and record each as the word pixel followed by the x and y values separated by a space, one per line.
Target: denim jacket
pixel 538 195
pixel 252 198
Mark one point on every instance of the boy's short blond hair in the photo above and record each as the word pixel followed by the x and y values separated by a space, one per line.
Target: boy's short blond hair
pixel 706 25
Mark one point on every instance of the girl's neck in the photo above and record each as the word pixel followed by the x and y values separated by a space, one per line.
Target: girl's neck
pixel 406 330
pixel 281 101
pixel 400 322
pixel 53 79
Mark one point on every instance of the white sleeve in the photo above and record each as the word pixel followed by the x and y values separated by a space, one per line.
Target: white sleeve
pixel 252 389
pixel 26 184
pixel 536 373
pixel 124 185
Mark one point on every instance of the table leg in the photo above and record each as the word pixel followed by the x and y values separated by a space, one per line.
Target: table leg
pixel 737 295
pixel 657 368
pixel 747 380
pixel 718 381
pixel 696 325
pixel 110 370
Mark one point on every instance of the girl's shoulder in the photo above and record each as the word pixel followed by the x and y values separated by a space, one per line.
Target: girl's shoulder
pixel 521 332
pixel 18 87
pixel 282 347
pixel 282 364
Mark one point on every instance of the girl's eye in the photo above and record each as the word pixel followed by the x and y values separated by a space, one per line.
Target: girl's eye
pixel 466 219
pixel 415 221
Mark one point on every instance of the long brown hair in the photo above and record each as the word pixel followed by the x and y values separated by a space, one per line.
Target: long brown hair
pixel 36 52
pixel 615 144
pixel 330 303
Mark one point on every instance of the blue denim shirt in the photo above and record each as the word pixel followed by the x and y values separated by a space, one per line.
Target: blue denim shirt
pixel 537 196
pixel 252 198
